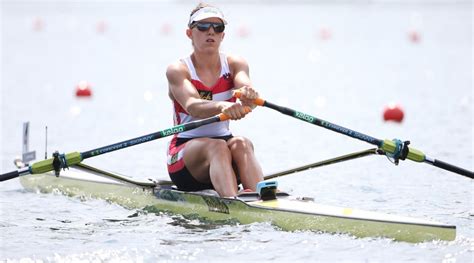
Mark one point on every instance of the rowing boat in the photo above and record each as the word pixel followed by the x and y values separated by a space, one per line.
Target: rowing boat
pixel 285 211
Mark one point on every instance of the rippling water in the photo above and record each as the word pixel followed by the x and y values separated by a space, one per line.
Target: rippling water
pixel 339 62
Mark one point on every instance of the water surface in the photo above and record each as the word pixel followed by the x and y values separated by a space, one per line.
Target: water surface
pixel 339 62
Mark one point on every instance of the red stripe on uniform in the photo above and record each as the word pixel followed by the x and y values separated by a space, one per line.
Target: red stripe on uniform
pixel 176 166
pixel 223 84
pixel 200 86
pixel 173 150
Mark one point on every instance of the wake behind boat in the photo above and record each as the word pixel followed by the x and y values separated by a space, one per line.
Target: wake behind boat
pixel 284 211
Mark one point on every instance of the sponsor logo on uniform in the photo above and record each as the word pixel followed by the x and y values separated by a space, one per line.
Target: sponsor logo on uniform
pixel 205 94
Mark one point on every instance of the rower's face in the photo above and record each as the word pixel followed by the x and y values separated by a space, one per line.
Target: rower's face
pixel 205 34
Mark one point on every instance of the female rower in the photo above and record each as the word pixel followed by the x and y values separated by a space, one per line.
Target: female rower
pixel 200 86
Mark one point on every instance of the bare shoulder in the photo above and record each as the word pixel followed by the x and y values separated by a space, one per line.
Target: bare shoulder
pixel 237 64
pixel 176 69
pixel 235 60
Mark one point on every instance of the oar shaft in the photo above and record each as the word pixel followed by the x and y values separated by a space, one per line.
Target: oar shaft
pixel 10 175
pixel 388 146
pixel 450 167
pixel 325 124
pixel 152 136
pixel 14 174
pixel 75 158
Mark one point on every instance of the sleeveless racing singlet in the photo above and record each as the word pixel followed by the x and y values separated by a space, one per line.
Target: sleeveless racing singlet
pixel 220 91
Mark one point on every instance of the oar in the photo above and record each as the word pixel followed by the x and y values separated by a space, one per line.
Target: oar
pixel 64 160
pixel 396 149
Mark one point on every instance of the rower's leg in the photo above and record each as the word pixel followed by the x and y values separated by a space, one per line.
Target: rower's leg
pixel 209 160
pixel 243 155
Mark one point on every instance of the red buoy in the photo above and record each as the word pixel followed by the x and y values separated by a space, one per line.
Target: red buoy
pixel 414 36
pixel 83 89
pixel 243 31
pixel 166 29
pixel 101 27
pixel 393 112
pixel 325 33
pixel 38 24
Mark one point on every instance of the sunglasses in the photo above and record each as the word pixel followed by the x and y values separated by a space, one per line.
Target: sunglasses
pixel 205 26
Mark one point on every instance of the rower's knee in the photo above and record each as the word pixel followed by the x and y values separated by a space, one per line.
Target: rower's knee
pixel 219 148
pixel 240 145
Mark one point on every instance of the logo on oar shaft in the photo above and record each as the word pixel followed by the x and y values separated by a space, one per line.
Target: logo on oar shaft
pixel 122 145
pixel 173 130
pixel 304 116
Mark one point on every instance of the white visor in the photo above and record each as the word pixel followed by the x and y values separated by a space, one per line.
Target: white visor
pixel 207 12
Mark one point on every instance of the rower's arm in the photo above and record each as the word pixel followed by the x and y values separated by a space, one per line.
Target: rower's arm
pixel 183 91
pixel 240 71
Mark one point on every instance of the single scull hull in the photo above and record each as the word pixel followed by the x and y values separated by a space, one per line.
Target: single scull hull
pixel 286 212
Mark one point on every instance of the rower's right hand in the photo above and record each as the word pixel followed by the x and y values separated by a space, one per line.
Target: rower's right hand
pixel 235 111
pixel 247 96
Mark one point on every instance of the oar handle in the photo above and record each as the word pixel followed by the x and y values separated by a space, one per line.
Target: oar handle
pixel 257 101
pixel 224 117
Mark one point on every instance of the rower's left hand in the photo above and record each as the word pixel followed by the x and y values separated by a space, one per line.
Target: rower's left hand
pixel 249 94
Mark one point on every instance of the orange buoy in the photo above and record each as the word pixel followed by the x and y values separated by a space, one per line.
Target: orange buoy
pixel 393 112
pixel 83 89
